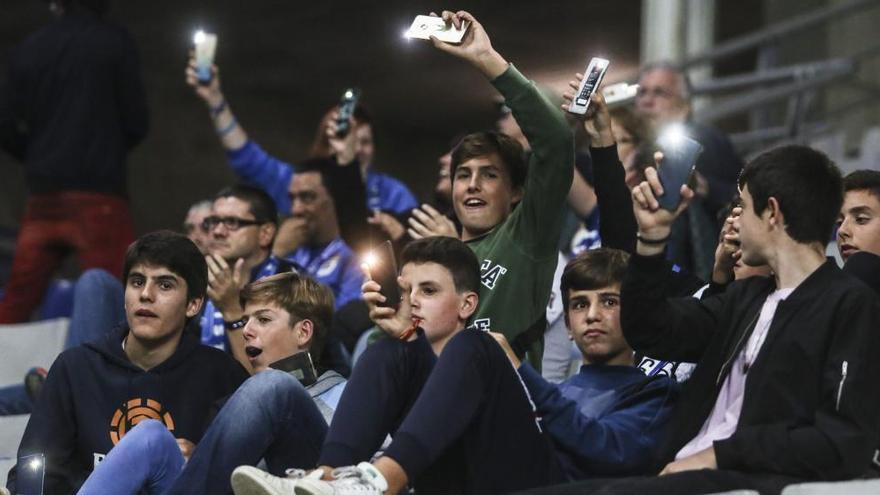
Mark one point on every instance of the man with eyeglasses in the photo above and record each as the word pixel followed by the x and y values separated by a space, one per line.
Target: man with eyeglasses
pixel 663 99
pixel 242 226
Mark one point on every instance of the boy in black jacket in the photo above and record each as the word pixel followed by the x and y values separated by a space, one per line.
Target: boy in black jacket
pixel 783 391
pixel 152 369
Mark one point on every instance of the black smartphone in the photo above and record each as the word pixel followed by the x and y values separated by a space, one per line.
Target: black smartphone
pixel 383 270
pixel 347 104
pixel 680 155
pixel 29 475
pixel 300 365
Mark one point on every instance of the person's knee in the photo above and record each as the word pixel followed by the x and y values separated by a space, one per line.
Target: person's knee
pixel 149 435
pixel 96 280
pixel 272 385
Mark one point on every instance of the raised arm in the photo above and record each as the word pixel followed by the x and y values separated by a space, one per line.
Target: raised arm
pixel 247 159
pixel 551 164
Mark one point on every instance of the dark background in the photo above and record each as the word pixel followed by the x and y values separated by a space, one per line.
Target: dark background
pixel 284 63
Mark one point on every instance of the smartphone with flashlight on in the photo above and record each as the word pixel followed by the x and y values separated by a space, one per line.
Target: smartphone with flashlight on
pixel 383 270
pixel 205 47
pixel 589 84
pixel 29 475
pixel 347 104
pixel 425 26
pixel 678 167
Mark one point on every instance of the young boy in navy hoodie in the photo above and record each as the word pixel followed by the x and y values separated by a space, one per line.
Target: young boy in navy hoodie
pixel 150 368
pixel 607 419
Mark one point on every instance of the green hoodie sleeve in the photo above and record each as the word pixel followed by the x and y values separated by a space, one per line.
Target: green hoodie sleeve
pixel 537 222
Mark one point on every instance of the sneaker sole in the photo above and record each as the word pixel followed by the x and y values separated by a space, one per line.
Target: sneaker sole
pixel 244 482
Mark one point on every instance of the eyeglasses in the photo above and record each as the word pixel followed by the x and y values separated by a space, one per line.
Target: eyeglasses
pixel 231 223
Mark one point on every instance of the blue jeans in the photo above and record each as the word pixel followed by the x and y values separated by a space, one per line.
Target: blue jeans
pixel 98 306
pixel 270 416
pixel 146 459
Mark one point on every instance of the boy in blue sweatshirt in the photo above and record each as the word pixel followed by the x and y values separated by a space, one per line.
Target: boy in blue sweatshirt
pixel 607 419
pixel 150 368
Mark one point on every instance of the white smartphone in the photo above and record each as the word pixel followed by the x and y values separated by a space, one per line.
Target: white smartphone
pixel 591 81
pixel 425 26
pixel 619 93
pixel 206 46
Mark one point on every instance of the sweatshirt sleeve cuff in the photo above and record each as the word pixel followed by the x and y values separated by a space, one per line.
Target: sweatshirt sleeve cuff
pixel 246 149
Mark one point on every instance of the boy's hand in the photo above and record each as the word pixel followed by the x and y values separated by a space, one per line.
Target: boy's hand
pixel 654 222
pixel 343 148
pixel 393 322
pixel 186 448
pixel 475 47
pixel 224 285
pixel 210 93
pixel 728 251
pixel 428 222
pixel 597 120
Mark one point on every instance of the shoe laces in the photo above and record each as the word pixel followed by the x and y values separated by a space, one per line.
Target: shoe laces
pixel 353 478
pixel 294 473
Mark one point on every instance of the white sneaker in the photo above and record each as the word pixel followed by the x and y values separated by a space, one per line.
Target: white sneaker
pixel 248 480
pixel 361 479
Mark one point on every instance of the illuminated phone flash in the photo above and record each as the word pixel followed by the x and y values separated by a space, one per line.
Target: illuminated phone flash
pixel 673 135
pixel 406 35
pixel 199 37
pixel 371 259
pixel 35 464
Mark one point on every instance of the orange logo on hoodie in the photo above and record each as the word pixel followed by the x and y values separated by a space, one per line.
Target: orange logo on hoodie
pixel 133 412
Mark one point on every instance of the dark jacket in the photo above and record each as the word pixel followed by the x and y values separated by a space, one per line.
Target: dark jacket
pixel 810 408
pixel 94 394
pixel 73 105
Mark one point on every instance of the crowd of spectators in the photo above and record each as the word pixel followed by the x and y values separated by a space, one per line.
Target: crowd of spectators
pixel 557 329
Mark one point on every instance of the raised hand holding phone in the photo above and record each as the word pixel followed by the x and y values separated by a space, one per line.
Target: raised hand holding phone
pixel 394 319
pixel 475 47
pixel 655 222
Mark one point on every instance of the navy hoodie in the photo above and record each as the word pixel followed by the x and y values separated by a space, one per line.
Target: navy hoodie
pixel 605 420
pixel 92 389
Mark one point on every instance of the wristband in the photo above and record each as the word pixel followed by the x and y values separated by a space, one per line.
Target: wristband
pixel 229 128
pixel 215 111
pixel 409 331
pixel 652 242
pixel 235 324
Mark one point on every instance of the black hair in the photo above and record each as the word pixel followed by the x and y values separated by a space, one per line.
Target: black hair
pixel 863 180
pixel 591 270
pixel 260 204
pixel 172 251
pixel 805 182
pixel 487 143
pixel 449 253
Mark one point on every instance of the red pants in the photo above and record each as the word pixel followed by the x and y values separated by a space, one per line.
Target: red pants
pixel 97 227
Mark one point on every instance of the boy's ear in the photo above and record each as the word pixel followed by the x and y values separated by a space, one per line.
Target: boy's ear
pixel 193 306
pixel 469 303
pixel 305 331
